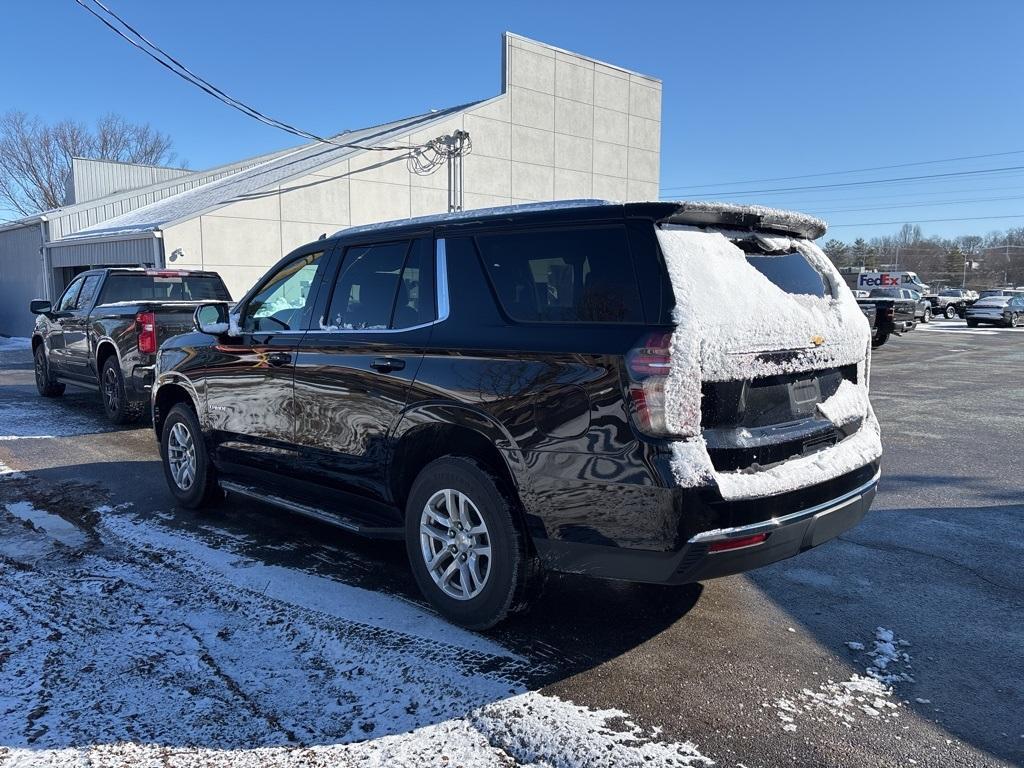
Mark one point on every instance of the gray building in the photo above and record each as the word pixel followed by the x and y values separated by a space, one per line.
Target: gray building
pixel 563 126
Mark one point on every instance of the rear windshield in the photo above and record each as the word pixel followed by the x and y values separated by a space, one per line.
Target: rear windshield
pixel 789 271
pixel 884 293
pixel 568 275
pixel 163 288
pixel 949 293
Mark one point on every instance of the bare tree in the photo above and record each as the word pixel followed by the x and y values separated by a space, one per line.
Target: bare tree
pixel 35 157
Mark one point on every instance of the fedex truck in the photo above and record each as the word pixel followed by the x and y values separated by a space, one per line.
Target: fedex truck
pixel 868 280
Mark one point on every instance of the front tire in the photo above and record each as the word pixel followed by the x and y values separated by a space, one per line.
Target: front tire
pixel 118 407
pixel 45 385
pixel 927 316
pixel 950 312
pixel 468 553
pixel 191 476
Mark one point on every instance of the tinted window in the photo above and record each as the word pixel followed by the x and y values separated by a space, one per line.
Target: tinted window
pixel 372 286
pixel 577 275
pixel 884 293
pixel 67 301
pixel 88 292
pixel 281 304
pixel 143 287
pixel 789 271
pixel 416 299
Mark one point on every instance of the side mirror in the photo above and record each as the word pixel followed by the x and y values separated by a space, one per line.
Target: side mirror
pixel 212 319
pixel 40 307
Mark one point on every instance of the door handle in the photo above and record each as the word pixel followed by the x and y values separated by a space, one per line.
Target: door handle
pixel 278 359
pixel 388 364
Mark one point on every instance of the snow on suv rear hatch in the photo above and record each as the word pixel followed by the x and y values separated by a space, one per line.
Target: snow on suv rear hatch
pixel 750 307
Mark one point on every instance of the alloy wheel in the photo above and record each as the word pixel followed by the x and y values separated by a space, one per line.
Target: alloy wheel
pixel 42 379
pixel 181 456
pixel 455 544
pixel 110 390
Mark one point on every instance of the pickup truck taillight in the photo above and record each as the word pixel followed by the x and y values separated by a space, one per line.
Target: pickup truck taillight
pixel 648 365
pixel 146 323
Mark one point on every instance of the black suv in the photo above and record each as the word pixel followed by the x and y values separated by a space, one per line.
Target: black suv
pixel 506 390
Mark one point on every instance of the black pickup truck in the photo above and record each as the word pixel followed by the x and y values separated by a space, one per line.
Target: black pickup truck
pixel 895 312
pixel 105 329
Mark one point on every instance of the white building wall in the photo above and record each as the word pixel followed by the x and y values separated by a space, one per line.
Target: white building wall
pixel 564 126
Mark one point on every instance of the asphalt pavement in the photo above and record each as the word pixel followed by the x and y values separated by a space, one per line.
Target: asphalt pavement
pixel 753 669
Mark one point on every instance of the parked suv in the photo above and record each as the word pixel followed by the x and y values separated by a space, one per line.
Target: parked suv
pixel 576 387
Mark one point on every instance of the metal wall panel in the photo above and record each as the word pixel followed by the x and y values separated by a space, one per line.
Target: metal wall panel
pixel 22 278
pixel 93 179
pixel 133 253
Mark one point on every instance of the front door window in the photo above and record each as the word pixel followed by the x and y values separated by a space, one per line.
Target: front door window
pixel 284 301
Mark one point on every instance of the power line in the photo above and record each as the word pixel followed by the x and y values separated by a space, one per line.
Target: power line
pixel 843 173
pixel 870 182
pixel 925 221
pixel 817 211
pixel 170 63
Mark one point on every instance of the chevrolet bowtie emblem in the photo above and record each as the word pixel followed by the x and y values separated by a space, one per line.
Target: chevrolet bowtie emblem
pixel 817 340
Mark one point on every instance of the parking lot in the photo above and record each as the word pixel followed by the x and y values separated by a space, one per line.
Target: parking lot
pixel 132 631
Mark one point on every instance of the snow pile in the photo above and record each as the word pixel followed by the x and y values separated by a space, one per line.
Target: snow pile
pixel 14 344
pixel 870 694
pixel 733 323
pixel 148 647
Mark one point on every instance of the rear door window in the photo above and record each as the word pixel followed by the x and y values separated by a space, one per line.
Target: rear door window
pixel 88 292
pixel 567 275
pixel 384 286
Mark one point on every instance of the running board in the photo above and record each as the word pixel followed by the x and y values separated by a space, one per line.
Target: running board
pixel 306 510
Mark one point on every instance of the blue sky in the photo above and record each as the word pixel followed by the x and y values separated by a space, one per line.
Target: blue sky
pixel 752 90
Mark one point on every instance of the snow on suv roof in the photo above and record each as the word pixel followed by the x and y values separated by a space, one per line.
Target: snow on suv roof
pixel 697 213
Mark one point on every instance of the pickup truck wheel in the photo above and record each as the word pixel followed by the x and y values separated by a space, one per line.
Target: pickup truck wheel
pixel 190 475
pixel 468 554
pixel 950 312
pixel 119 408
pixel 879 340
pixel 927 316
pixel 45 384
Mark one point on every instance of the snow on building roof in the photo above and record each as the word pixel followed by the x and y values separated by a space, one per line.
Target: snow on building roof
pixel 277 169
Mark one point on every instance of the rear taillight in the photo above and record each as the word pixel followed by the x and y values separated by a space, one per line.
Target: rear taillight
pixel 889 312
pixel 648 365
pixel 145 322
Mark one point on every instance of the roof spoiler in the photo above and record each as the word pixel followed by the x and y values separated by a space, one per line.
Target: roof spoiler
pixel 746 217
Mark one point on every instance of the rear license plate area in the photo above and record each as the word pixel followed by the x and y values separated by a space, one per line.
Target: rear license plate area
pixel 804 396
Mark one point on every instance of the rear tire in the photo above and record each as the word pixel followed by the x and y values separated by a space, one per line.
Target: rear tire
pixel 118 407
pixel 447 548
pixel 45 384
pixel 879 340
pixel 191 476
pixel 927 316
pixel 972 323
pixel 950 312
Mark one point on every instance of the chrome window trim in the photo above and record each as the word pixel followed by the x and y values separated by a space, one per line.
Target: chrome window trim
pixel 775 523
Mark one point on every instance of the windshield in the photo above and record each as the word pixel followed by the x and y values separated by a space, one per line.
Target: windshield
pixel 142 287
pixel 989 294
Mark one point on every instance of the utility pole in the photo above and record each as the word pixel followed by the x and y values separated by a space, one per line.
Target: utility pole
pixel 457 142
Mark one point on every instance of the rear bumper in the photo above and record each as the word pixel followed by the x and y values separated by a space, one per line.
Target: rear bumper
pixel 140 383
pixel 786 535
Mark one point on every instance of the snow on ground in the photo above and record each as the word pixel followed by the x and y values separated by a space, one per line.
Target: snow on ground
pixel 868 695
pixel 14 343
pixel 40 418
pixel 147 647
